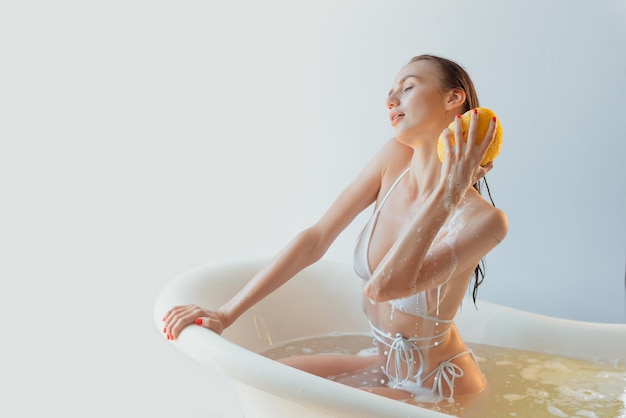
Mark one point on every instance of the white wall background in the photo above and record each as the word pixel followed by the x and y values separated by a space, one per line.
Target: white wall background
pixel 142 138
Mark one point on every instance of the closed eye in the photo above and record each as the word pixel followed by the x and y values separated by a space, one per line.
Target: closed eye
pixel 407 88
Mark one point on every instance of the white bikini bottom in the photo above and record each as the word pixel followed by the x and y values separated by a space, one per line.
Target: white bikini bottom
pixel 402 352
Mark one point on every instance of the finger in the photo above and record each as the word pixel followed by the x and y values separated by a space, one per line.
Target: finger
pixel 170 312
pixel 447 146
pixel 207 322
pixel 480 174
pixel 213 324
pixel 188 318
pixel 168 319
pixel 489 136
pixel 180 317
pixel 447 137
pixel 174 310
pixel 487 167
pixel 473 131
pixel 171 315
pixel 458 134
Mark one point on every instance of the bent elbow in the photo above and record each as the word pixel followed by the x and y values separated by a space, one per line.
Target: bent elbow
pixel 379 292
pixel 385 287
pixel 373 293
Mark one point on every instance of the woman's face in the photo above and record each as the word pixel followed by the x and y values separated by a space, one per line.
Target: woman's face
pixel 416 103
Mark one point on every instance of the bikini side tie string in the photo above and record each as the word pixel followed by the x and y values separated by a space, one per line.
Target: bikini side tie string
pixel 446 372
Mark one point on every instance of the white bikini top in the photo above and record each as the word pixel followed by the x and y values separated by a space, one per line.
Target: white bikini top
pixel 361 251
pixel 416 304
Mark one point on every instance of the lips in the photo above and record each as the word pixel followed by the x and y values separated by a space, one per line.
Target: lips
pixel 395 116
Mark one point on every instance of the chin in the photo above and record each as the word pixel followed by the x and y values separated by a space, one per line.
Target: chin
pixel 408 139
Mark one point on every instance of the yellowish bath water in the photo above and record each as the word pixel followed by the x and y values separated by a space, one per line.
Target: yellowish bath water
pixel 521 383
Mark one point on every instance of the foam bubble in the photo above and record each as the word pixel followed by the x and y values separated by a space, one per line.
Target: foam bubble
pixel 514 397
pixel 585 413
pixel 504 363
pixel 553 410
pixel 580 394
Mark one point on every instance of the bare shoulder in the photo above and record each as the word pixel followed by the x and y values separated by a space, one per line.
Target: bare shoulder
pixel 490 219
pixel 391 155
pixel 396 156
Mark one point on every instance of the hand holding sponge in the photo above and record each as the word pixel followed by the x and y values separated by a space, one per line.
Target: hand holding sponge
pixel 484 119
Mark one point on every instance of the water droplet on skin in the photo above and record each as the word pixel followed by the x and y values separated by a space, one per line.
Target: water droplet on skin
pixel 447 203
pixel 438 298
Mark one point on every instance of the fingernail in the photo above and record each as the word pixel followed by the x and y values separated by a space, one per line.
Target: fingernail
pixel 493 118
pixel 475 111
pixel 163 329
pixel 199 321
pixel 458 116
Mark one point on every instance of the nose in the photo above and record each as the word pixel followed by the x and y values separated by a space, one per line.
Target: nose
pixel 392 101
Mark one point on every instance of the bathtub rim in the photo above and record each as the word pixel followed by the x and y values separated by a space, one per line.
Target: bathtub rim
pixel 216 351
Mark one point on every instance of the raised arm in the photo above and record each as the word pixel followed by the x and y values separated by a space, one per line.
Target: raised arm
pixel 487 228
pixel 306 248
pixel 412 264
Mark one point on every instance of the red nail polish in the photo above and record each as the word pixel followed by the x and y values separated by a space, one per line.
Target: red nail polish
pixel 493 118
pixel 199 321
pixel 163 329
pixel 458 116
pixel 475 111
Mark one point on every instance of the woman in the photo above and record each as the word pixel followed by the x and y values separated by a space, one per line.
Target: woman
pixel 425 240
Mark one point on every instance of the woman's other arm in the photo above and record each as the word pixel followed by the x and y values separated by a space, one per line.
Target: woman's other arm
pixel 305 249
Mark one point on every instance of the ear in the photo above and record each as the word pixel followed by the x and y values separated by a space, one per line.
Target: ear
pixel 454 99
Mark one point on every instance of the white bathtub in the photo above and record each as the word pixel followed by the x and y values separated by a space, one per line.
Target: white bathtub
pixel 325 298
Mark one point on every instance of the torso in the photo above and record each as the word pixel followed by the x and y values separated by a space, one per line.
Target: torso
pixel 429 313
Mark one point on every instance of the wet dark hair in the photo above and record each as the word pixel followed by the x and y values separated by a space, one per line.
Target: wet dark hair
pixel 453 76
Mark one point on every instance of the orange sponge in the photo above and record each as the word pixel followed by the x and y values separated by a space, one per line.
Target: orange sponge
pixel 484 119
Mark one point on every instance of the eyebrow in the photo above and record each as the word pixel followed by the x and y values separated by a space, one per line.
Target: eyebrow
pixel 403 80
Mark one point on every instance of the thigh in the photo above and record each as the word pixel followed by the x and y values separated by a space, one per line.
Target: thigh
pixel 325 365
